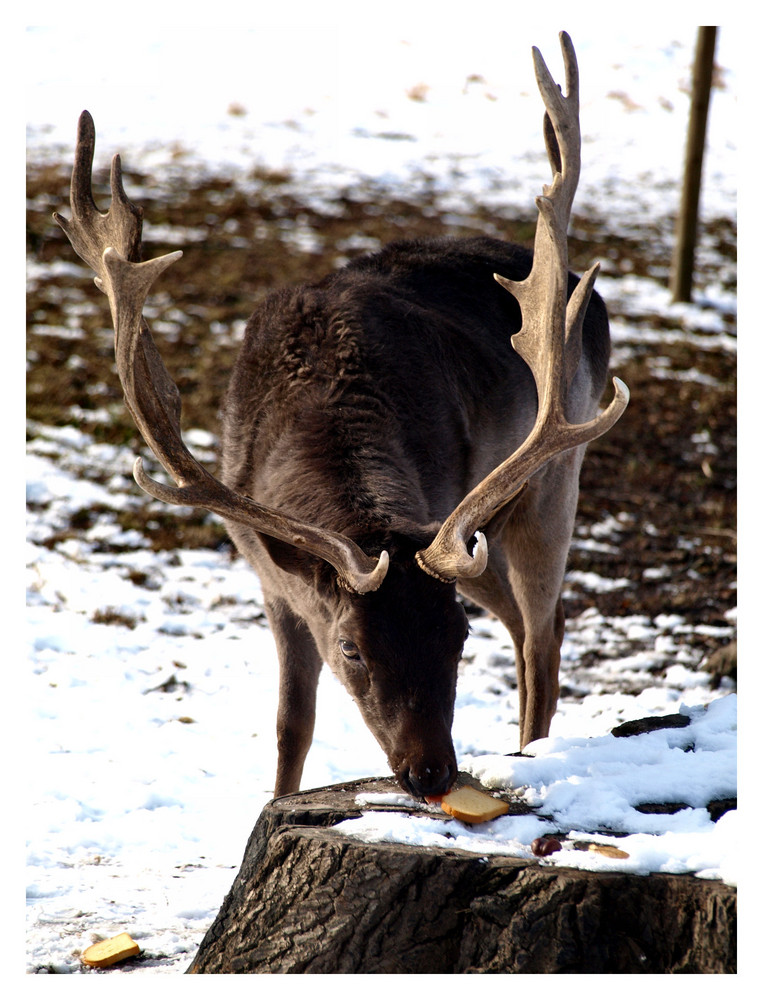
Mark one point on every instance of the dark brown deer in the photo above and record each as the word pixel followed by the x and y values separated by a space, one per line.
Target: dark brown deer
pixel 364 469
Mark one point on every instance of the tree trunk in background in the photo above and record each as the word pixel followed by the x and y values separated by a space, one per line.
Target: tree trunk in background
pixel 682 271
pixel 308 899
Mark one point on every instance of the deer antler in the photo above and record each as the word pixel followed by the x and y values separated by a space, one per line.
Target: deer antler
pixel 550 341
pixel 111 243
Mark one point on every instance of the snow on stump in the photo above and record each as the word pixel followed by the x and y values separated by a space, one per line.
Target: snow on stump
pixel 310 899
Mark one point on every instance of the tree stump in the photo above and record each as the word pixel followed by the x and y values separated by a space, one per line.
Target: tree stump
pixel 309 899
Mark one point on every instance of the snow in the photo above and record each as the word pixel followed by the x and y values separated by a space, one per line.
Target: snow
pixel 335 104
pixel 149 704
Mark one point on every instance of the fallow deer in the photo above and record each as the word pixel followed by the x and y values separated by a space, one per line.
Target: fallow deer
pixel 408 428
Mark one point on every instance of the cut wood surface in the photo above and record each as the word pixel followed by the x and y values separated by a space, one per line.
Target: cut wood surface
pixel 310 899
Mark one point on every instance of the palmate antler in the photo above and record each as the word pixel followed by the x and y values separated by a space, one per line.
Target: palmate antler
pixel 550 341
pixel 111 243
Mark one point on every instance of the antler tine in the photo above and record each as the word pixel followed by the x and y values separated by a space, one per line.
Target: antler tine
pixel 81 191
pixel 549 341
pixel 111 244
pixel 132 235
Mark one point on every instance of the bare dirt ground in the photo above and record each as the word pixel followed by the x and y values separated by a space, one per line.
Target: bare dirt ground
pixel 666 472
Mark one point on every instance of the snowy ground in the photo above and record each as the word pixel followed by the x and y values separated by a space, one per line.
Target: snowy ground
pixel 150 702
pixel 153 694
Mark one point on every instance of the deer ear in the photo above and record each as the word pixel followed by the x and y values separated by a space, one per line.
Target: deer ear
pixel 289 558
pixel 316 572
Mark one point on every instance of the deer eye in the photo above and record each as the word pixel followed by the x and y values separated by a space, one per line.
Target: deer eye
pixel 349 650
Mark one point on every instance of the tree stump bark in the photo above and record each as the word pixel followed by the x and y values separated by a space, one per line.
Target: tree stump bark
pixel 309 899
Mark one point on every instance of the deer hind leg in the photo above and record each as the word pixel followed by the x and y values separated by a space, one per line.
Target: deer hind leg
pixel 299 669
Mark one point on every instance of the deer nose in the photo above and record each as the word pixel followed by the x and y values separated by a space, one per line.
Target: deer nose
pixel 428 781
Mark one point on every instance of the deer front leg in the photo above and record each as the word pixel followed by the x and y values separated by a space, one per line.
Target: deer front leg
pixel 299 666
pixel 538 658
pixel 536 543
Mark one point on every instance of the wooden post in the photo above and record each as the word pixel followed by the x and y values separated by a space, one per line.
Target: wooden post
pixel 682 270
